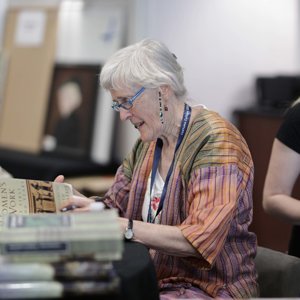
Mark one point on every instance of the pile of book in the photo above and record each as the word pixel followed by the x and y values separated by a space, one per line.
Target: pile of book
pixel 62 280
pixel 55 255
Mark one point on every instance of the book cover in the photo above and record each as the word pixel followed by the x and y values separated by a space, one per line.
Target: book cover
pixel 57 289
pixel 51 237
pixel 24 196
pixel 61 271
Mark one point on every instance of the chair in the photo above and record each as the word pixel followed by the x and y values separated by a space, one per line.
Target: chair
pixel 278 273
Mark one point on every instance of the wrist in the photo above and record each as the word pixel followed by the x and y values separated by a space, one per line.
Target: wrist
pixel 128 233
pixel 99 199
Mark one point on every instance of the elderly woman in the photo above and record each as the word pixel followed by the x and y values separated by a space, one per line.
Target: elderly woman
pixel 185 190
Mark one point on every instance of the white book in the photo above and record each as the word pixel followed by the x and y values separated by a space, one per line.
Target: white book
pixel 51 237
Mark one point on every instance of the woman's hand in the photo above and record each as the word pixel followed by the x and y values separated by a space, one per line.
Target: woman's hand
pixel 61 179
pixel 78 202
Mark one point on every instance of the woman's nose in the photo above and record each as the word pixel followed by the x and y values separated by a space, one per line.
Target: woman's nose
pixel 124 114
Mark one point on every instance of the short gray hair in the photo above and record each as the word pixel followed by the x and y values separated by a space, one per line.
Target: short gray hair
pixel 148 63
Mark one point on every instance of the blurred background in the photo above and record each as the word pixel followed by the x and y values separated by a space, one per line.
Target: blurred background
pixel 240 58
pixel 222 45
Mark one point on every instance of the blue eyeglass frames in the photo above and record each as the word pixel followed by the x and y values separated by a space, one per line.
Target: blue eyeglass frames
pixel 127 104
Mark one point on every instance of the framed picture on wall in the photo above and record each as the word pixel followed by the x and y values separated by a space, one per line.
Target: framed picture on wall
pixel 70 118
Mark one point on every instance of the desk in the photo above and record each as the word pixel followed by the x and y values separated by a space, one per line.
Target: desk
pixel 137 274
pixel 46 166
pixel 138 277
pixel 91 185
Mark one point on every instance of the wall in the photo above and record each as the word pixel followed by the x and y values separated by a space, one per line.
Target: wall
pixel 3 5
pixel 223 45
pixel 87 34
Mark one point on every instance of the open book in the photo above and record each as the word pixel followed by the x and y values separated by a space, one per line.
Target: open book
pixel 24 196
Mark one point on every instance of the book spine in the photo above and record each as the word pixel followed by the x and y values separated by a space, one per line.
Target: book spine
pixel 104 249
pixel 31 290
pixel 56 289
pixel 62 271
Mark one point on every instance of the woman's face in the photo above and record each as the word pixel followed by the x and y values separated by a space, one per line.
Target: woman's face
pixel 144 114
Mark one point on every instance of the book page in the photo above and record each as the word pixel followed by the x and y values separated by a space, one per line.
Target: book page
pixel 24 196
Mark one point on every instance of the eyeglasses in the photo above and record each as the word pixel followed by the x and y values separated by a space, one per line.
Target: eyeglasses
pixel 126 104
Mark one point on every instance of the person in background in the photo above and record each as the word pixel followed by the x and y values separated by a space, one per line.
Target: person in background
pixel 66 133
pixel 283 170
pixel 185 190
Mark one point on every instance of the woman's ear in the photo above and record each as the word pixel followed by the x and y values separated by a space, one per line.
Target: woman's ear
pixel 165 91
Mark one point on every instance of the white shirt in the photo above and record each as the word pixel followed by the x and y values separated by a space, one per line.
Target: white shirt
pixel 157 189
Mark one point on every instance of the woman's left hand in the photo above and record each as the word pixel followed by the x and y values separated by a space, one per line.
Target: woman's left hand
pixel 61 179
pixel 77 204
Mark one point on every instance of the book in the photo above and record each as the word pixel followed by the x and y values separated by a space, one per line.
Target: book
pixel 61 271
pixel 25 196
pixel 57 289
pixel 53 237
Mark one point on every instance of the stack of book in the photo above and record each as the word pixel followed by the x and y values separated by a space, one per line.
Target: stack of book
pixel 65 279
pixel 52 237
pixel 54 255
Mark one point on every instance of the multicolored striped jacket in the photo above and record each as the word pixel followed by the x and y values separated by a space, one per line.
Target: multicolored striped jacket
pixel 209 197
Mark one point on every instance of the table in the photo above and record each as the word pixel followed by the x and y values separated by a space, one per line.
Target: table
pixel 45 166
pixel 91 185
pixel 137 274
pixel 138 277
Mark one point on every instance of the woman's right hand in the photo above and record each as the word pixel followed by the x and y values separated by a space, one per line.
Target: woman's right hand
pixel 61 179
pixel 78 202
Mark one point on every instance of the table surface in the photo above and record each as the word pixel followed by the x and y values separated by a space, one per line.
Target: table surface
pixel 92 184
pixel 137 273
pixel 138 277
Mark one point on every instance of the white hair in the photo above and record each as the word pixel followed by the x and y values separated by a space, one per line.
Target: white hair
pixel 148 63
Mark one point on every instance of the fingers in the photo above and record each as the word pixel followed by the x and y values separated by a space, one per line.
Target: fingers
pixel 76 203
pixel 93 206
pixel 76 193
pixel 82 209
pixel 81 201
pixel 59 179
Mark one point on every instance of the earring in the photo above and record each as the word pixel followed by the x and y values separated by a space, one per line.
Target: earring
pixel 161 114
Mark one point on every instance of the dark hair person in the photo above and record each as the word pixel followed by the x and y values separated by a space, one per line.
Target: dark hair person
pixel 283 170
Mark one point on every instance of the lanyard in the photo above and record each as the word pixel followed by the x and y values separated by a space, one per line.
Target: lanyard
pixel 157 155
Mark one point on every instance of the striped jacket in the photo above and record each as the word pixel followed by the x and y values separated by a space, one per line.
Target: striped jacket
pixel 209 197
